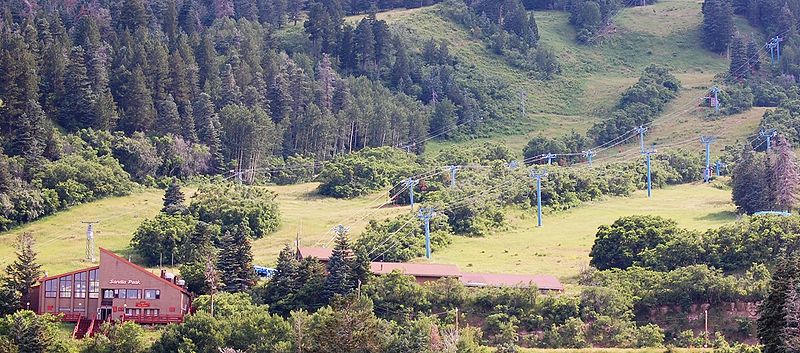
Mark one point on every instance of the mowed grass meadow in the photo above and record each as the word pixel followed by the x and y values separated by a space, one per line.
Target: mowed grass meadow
pixel 560 248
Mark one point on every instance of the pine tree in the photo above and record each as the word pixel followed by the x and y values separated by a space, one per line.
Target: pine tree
pixel 791 332
pixel 443 120
pixel 772 318
pixel 245 9
pixel 718 25
pixel 174 200
pixel 24 272
pixel 311 275
pixel 181 85
pixel 208 130
pixel 231 94
pixel 739 66
pixel 401 71
pixel 282 288
pixel 105 107
pixel 133 15
pixel 52 74
pixel 78 103
pixel 29 333
pixel 189 18
pixel 364 45
pixel 785 176
pixel 18 80
pixel 200 243
pixel 138 112
pixel 235 259
pixel 342 279
pixel 168 120
pixel 28 137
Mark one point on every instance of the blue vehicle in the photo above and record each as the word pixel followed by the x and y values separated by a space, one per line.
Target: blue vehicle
pixel 264 272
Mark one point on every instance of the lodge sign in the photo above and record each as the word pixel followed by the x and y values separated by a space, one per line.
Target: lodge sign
pixel 134 282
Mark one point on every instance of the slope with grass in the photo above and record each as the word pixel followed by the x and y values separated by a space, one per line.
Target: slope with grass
pixel 593 77
pixel 561 247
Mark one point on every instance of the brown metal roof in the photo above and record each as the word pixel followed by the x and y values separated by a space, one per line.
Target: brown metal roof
pixel 422 270
pixel 543 282
pixel 144 270
pixel 323 254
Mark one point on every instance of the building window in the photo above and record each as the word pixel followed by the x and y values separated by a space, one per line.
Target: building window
pixel 152 294
pixel 119 293
pixel 108 294
pixel 94 284
pixel 65 287
pixel 134 293
pixel 150 312
pixel 80 285
pixel 133 311
pixel 63 308
pixel 50 289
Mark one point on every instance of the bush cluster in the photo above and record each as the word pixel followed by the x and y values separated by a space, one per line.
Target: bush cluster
pixel 31 189
pixel 639 104
pixel 656 243
pixel 366 171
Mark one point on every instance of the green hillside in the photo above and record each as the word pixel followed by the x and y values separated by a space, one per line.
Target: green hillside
pixel 593 77
pixel 560 248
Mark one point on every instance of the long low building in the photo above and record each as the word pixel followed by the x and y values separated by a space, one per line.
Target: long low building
pixel 424 272
pixel 116 289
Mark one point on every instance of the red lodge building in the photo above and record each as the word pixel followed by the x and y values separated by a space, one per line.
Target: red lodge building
pixel 115 290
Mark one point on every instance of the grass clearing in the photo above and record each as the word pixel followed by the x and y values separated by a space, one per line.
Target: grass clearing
pixel 61 238
pixel 561 247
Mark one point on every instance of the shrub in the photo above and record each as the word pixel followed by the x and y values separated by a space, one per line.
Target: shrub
pixel 79 179
pixel 366 171
pixel 228 205
pixel 160 238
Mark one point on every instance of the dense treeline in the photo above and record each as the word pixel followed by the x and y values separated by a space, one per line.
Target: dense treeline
pixel 195 87
pixel 767 181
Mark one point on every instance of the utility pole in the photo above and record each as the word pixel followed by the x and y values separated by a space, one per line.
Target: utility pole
pixel 523 95
pixel 538 175
pixel 647 155
pixel 707 141
pixel 768 134
pixel 641 130
pixel 90 239
pixel 719 165
pixel 589 155
pixel 774 46
pixel 410 183
pixel 425 214
pixel 453 170
pixel 705 345
pixel 715 90
pixel 550 157
pixel 771 45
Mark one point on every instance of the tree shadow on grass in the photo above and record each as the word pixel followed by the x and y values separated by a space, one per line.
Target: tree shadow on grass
pixel 720 216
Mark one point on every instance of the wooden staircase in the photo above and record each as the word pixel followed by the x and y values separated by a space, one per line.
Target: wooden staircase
pixel 83 327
